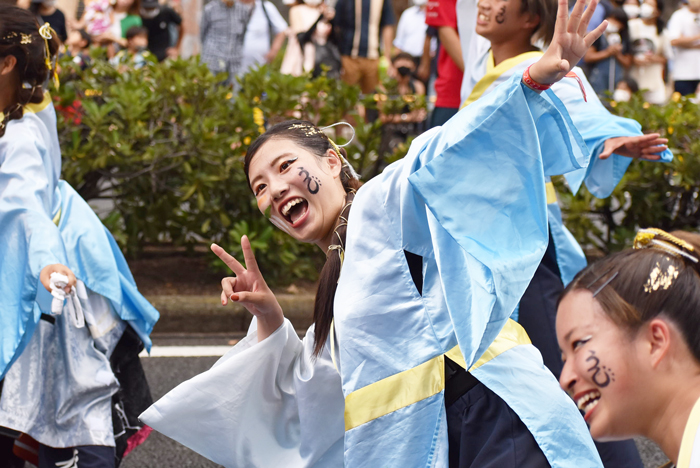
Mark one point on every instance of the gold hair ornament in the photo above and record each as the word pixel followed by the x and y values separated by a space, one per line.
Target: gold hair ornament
pixel 658 239
pixel 659 279
pixel 47 32
pixel 13 36
pixel 343 222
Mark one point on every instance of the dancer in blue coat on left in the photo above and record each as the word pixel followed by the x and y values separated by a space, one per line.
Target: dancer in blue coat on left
pixel 63 373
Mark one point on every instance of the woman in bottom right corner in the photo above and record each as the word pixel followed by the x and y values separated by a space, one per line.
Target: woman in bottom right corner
pixel 629 330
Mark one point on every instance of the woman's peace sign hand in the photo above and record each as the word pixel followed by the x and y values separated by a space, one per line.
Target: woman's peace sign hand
pixel 248 288
pixel 569 44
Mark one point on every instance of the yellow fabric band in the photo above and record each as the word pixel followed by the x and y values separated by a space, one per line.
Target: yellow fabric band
pixel 395 392
pixel 57 218
pixel 689 435
pixel 512 335
pixel 494 72
pixel 421 382
pixel 551 193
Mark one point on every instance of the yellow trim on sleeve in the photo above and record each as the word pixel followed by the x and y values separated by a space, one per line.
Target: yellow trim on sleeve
pixel 689 435
pixel 512 335
pixel 421 382
pixel 494 72
pixel 395 392
pixel 551 193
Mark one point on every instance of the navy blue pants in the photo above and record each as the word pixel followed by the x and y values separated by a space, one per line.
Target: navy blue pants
pixel 484 432
pixel 538 312
pixel 441 115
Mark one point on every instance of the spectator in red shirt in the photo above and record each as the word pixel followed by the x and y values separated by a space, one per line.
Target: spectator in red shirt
pixel 442 14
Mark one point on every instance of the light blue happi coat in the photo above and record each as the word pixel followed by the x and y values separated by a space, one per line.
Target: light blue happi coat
pixel 32 199
pixel 470 199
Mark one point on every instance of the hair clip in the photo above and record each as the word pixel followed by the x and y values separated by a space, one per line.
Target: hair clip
pixel 659 279
pixel 602 286
pixel 337 147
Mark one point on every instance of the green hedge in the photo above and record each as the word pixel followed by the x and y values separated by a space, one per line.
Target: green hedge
pixel 650 194
pixel 166 143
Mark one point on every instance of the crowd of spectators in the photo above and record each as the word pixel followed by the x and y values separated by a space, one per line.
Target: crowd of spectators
pixel 354 39
pixel 640 50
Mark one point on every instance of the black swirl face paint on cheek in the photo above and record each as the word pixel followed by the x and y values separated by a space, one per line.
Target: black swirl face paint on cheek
pixel 313 183
pixel 501 15
pixel 602 376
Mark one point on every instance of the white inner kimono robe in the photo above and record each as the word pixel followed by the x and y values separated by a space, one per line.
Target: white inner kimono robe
pixel 470 199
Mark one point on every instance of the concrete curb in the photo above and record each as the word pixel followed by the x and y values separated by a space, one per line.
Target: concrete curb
pixel 205 314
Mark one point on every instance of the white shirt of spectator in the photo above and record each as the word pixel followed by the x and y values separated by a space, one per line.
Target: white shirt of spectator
pixel 257 37
pixel 686 62
pixel 646 40
pixel 410 32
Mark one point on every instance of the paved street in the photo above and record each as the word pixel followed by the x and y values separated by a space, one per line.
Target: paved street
pixel 164 373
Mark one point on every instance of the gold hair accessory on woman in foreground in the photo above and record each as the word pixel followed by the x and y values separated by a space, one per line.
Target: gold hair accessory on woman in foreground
pixel 653 238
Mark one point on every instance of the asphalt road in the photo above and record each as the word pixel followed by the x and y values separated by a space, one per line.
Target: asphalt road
pixel 164 373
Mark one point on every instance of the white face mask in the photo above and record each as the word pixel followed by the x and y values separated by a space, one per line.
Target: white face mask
pixel 621 95
pixel 646 11
pixel 632 11
pixel 313 3
pixel 612 29
pixel 151 13
pixel 420 2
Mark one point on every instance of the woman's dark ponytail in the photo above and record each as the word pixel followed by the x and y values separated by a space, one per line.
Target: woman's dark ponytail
pixel 308 136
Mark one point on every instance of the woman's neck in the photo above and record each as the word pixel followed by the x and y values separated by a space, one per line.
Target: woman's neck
pixel 8 98
pixel 649 21
pixel 47 10
pixel 508 50
pixel 667 424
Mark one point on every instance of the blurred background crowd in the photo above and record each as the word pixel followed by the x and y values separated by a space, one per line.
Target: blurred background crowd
pixel 382 46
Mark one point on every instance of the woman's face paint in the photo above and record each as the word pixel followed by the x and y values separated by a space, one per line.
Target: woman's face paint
pixel 500 20
pixel 296 190
pixel 602 370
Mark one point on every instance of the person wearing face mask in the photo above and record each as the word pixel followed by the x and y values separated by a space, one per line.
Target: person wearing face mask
pixel 398 126
pixel 158 19
pixel 624 90
pixel 628 327
pixel 411 31
pixel 648 42
pixel 632 9
pixel 609 58
pixel 48 13
pixel 684 34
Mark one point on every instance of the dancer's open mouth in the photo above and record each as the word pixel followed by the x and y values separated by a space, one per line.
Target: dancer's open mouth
pixel 587 402
pixel 294 210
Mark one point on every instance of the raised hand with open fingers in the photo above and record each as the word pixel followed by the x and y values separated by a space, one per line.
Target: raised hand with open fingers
pixel 249 288
pixel 640 147
pixel 569 44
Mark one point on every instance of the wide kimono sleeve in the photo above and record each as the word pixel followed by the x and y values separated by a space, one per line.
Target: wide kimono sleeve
pixel 268 403
pixel 30 240
pixel 596 125
pixel 482 177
